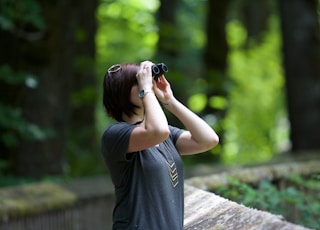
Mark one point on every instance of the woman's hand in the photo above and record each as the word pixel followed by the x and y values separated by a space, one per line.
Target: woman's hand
pixel 144 76
pixel 163 90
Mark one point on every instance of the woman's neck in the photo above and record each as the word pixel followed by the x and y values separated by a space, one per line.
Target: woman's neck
pixel 134 120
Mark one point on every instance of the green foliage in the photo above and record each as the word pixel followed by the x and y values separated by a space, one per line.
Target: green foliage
pixel 14 127
pixel 297 201
pixel 197 102
pixel 83 162
pixel 17 14
pixel 12 123
pixel 255 126
pixel 17 17
pixel 126 33
pixel 8 76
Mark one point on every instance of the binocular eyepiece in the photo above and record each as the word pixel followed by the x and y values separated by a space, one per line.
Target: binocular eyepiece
pixel 158 70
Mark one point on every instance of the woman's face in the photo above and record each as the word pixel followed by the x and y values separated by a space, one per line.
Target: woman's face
pixel 134 96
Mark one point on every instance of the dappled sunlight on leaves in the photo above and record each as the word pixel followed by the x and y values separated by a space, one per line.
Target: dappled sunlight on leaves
pixel 256 100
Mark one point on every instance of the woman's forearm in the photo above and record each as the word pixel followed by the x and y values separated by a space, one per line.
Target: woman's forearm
pixel 154 118
pixel 201 132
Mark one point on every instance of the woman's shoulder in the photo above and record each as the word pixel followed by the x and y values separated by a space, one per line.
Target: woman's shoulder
pixel 116 128
pixel 118 124
pixel 175 131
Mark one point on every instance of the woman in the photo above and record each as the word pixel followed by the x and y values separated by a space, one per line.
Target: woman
pixel 142 152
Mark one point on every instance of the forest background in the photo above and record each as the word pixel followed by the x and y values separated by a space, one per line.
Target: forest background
pixel 249 68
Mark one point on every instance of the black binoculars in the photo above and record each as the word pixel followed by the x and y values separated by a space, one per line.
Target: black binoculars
pixel 158 70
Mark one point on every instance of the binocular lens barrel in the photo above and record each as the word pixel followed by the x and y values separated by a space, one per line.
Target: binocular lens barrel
pixel 158 70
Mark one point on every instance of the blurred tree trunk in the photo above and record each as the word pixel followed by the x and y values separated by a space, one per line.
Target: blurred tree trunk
pixel 301 51
pixel 51 59
pixel 255 18
pixel 215 57
pixel 50 56
pixel 168 45
pixel 84 91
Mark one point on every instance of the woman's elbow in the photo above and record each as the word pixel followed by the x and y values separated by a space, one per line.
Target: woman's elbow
pixel 161 134
pixel 164 132
pixel 212 142
pixel 215 140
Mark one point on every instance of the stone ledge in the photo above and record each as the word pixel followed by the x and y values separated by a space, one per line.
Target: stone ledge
pixel 207 211
pixel 255 174
pixel 33 199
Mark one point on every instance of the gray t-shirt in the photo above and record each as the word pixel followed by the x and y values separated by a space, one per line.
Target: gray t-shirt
pixel 148 184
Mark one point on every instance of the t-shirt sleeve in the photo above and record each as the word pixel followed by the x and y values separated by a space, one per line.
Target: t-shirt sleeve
pixel 175 133
pixel 115 141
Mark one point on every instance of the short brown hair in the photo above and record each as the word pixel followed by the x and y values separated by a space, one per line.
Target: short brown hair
pixel 117 91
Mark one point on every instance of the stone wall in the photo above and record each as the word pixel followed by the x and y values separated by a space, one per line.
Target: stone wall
pixel 86 204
